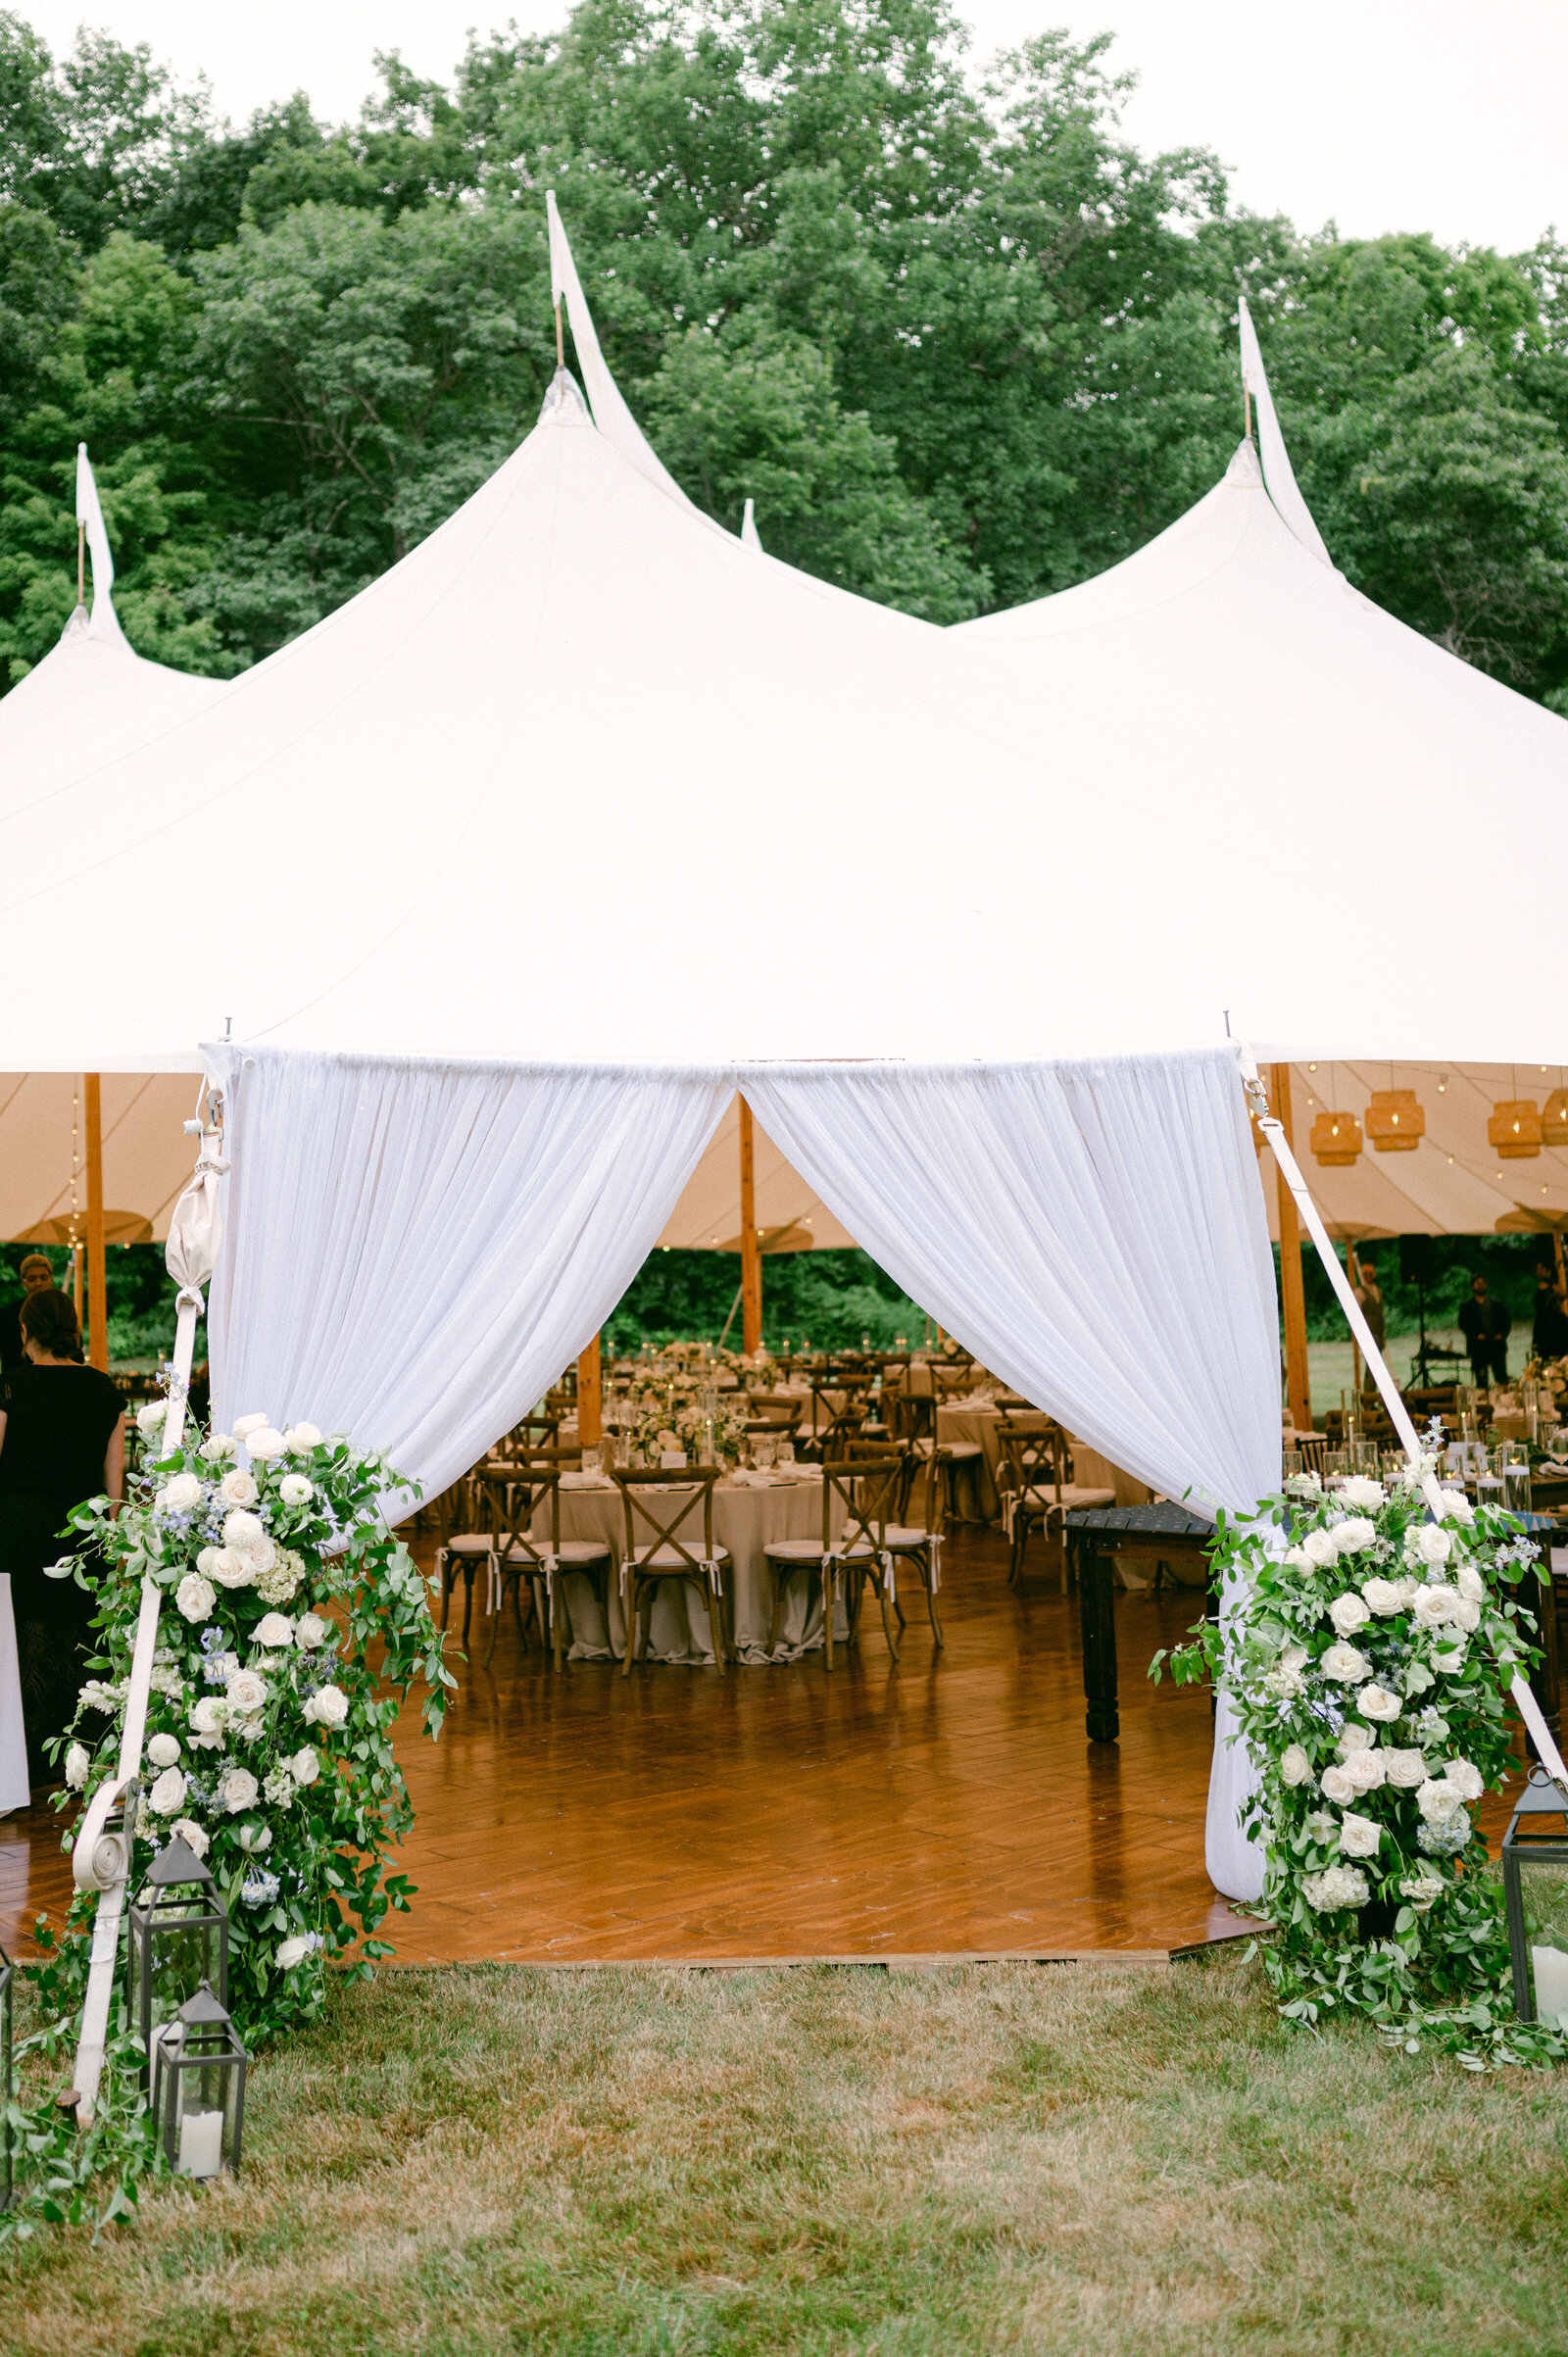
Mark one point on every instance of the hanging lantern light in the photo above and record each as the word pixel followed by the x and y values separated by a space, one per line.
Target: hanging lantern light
pixel 1554 1119
pixel 8 2093
pixel 1395 1121
pixel 199 2088
pixel 1514 1130
pixel 1535 1881
pixel 1336 1138
pixel 177 1942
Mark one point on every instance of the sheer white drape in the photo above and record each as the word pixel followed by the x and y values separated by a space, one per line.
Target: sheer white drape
pixel 1094 1232
pixel 413 1251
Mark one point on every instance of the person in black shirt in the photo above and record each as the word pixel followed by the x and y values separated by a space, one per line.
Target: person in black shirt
pixel 1484 1325
pixel 62 1440
pixel 1548 1333
pixel 37 1277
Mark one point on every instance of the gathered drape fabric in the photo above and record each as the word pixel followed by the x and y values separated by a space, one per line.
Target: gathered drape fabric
pixel 413 1251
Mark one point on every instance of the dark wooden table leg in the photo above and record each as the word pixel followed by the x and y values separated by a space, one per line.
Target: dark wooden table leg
pixel 1097 1597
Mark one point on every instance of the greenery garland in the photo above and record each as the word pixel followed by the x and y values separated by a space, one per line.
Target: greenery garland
pixel 1368 1661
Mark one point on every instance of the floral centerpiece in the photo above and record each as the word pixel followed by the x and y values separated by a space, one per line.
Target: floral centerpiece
pixel 669 1412
pixel 268 1744
pixel 1368 1662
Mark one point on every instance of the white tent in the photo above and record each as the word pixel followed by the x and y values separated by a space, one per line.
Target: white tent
pixel 791 1217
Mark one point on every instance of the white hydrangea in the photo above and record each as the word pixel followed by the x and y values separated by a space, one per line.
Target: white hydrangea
pixel 163 1751
pixel 1335 1887
pixel 195 1596
pixel 1422 1891
pixel 242 1530
pixel 275 1585
pixel 295 1489
pixel 166 1680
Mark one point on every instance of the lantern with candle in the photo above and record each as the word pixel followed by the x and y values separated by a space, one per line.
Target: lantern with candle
pixel 1336 1140
pixel 177 1940
pixel 199 2088
pixel 1534 1881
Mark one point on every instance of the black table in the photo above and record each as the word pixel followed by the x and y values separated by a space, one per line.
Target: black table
pixel 1093 1534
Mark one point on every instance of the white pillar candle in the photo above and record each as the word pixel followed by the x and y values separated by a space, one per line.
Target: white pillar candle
pixel 1550 1968
pixel 201 2141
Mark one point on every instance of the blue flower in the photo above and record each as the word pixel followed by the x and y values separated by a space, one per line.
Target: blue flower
pixel 259 1890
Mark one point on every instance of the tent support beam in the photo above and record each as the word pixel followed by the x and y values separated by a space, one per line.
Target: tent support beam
pixel 750 1256
pixel 1524 1701
pixel 1293 1295
pixel 590 1396
pixel 97 1276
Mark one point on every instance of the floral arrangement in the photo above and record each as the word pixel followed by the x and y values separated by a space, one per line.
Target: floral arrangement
pixel 666 1416
pixel 1369 1663
pixel 268 1744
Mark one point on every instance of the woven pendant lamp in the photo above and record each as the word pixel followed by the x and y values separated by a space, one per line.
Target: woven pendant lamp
pixel 1336 1140
pixel 1554 1119
pixel 1514 1130
pixel 1395 1121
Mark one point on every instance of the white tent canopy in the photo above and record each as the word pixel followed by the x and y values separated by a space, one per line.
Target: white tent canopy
pixel 791 1217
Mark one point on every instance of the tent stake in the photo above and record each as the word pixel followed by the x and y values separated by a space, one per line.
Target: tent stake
pixel 1524 1701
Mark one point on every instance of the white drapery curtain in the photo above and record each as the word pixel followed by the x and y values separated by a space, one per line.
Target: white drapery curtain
pixel 413 1251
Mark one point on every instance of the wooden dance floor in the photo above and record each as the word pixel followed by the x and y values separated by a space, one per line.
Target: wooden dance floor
pixel 950 1806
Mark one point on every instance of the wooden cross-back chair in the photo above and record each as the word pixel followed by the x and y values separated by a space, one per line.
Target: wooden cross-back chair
pixel 666 1555
pixel 869 1487
pixel 465 1544
pixel 914 1539
pixel 514 1496
pixel 532 1432
pixel 1037 1485
pixel 769 1407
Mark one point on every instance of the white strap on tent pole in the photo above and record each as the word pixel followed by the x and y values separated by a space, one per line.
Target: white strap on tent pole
pixel 1524 1701
pixel 1279 476
pixel 90 518
pixel 750 535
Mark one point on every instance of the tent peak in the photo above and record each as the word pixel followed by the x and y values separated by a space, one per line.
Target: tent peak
pixel 564 402
pixel 1243 470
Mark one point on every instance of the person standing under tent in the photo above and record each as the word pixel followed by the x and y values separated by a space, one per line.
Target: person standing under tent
pixel 1369 1301
pixel 1548 1332
pixel 62 1440
pixel 37 1277
pixel 1485 1324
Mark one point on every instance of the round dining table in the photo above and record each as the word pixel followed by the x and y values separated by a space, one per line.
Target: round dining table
pixel 751 1510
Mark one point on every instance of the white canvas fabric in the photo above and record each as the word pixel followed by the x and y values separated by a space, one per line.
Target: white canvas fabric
pixel 414 1252
pixel 788 1212
pixel 90 516
pixel 1278 472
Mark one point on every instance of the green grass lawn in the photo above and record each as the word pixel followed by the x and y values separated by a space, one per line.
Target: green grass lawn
pixel 830 2160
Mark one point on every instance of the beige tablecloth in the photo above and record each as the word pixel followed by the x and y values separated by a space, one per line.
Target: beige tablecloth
pixel 746 1519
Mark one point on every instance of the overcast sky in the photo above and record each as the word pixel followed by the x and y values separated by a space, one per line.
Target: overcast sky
pixel 1380 115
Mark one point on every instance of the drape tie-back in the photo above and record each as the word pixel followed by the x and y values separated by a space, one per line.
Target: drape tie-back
pixel 628 1565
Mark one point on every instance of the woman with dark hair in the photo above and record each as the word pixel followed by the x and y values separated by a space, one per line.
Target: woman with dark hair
pixel 62 1440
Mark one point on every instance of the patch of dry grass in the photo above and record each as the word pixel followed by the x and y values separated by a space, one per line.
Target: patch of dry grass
pixel 836 2160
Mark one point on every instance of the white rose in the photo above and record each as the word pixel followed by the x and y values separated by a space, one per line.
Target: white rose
pixel 1299 1560
pixel 182 1492
pixel 195 1596
pixel 273 1628
pixel 246 1692
pixel 295 1490
pixel 1359 1837
pixel 1435 1606
pixel 1337 1784
pixel 1466 1780
pixel 266 1443
pixel 306 1765
pixel 218 1447
pixel 238 1790
pixel 1344 1662
pixel 1433 1544
pixel 1456 1508
pixel 168 1793
pixel 1439 1801
pixel 1365 1770
pixel 1449 1657
pixel 242 1530
pixel 244 1426
pixel 310 1633
pixel 1295 1766
pixel 1362 1492
pixel 1354 1533
pixel 291 1952
pixel 186 1830
pixel 1406 1769
pixel 1471 1586
pixel 232 1568
pixel 1319 1549
pixel 77 1762
pixel 209 1715
pixel 238 1488
pixel 1348 1613
pixel 329 1707
pixel 149 1419
pixel 1377 1704
pixel 1468 1614
pixel 302 1438
pixel 1293 1657
pixel 163 1751
pixel 1353 1737
pixel 1382 1597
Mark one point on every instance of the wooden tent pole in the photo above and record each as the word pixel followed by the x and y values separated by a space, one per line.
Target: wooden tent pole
pixel 590 1396
pixel 1352 1272
pixel 97 1277
pixel 751 1256
pixel 1293 1294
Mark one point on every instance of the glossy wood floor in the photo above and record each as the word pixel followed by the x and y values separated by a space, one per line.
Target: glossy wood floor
pixel 949 1806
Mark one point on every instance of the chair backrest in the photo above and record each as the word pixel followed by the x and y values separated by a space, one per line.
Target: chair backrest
pixel 844 1429
pixel 511 1496
pixel 951 1383
pixel 644 1494
pixel 532 1432
pixel 1034 1452
pixel 868 1484
pixel 783 1413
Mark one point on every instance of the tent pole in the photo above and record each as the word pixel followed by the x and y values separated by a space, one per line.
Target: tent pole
pixel 97 1276
pixel 1355 1355
pixel 560 349
pixel 590 1396
pixel 1524 1701
pixel 731 1320
pixel 1293 1295
pixel 751 1256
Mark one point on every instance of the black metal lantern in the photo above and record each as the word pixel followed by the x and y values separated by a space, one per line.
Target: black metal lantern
pixel 199 2088
pixel 1535 1880
pixel 177 1940
pixel 8 2093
